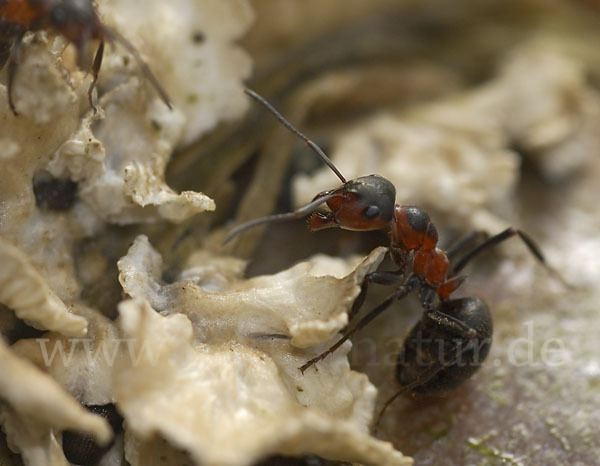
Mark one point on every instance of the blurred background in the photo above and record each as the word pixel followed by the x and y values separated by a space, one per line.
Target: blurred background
pixel 486 114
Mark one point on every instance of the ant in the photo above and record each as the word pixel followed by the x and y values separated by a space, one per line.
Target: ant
pixel 448 345
pixel 77 21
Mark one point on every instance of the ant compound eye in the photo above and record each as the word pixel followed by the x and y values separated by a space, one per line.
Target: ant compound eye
pixel 371 212
pixel 375 194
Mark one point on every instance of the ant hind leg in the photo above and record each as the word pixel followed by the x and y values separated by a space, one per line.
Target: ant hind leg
pixel 492 241
pixel 464 241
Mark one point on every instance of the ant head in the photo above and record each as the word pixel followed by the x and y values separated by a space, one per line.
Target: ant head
pixel 365 203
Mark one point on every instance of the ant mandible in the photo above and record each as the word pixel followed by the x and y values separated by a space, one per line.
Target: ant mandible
pixel 77 21
pixel 453 337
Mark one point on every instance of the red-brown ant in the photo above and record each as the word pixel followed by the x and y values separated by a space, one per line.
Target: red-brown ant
pixel 77 21
pixel 453 337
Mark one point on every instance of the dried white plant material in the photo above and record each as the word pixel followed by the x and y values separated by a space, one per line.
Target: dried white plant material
pixel 233 400
pixel 82 366
pixel 37 445
pixel 140 274
pixel 312 298
pixel 119 155
pixel 429 165
pixel 36 408
pixel 308 302
pixel 211 272
pixel 120 164
pixel 540 102
pixel 456 156
pixel 27 293
pixel 39 73
pixel 45 238
pixel 190 45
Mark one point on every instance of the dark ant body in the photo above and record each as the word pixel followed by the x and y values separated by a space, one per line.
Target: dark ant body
pixel 453 337
pixel 81 448
pixel 77 21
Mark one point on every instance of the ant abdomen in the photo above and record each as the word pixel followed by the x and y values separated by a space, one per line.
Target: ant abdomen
pixel 446 347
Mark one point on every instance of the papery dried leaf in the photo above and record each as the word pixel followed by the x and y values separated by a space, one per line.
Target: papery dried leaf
pixel 25 291
pixel 233 401
pixel 37 408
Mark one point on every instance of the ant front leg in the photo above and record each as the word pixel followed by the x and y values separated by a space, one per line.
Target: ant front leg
pixel 400 293
pixel 386 278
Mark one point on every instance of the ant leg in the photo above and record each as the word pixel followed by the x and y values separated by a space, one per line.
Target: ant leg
pixel 534 249
pixel 497 239
pixel 423 379
pixel 474 337
pixel 450 326
pixel 444 290
pixel 465 241
pixel 12 68
pixel 95 70
pixel 450 285
pixel 432 372
pixel 5 46
pixel 400 293
pixel 380 278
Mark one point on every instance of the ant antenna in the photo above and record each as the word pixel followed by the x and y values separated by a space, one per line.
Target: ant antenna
pixel 299 213
pixel 289 126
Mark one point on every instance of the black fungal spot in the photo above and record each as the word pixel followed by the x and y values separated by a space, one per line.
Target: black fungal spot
pixel 198 37
pixel 156 126
pixel 54 193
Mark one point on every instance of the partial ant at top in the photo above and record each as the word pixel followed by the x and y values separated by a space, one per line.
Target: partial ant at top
pixel 454 335
pixel 77 21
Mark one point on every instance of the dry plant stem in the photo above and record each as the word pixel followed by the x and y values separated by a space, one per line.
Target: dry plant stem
pixel 260 198
pixel 389 38
pixel 423 32
pixel 212 160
